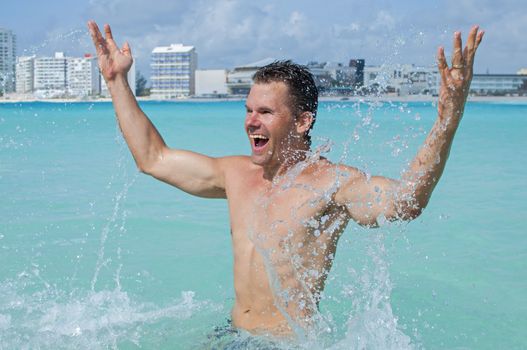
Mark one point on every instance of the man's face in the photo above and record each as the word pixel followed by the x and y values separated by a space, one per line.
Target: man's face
pixel 269 123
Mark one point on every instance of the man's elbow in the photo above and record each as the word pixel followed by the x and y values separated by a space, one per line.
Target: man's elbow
pixel 412 213
pixel 149 165
pixel 148 168
pixel 144 169
pixel 409 211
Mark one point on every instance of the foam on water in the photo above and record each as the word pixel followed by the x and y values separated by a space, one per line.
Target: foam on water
pixel 52 318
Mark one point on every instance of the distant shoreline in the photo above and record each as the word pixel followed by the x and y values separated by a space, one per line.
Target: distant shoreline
pixel 385 98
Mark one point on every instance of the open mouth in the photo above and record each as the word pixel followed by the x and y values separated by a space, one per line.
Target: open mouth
pixel 259 141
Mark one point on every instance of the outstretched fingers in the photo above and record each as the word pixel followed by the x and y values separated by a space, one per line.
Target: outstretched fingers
pixel 473 41
pixel 479 38
pixel 126 49
pixel 109 37
pixel 97 38
pixel 457 55
pixel 442 65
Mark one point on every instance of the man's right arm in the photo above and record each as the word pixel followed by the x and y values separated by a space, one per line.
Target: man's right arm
pixel 191 172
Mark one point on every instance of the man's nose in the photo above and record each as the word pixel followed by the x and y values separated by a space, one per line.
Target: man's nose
pixel 252 119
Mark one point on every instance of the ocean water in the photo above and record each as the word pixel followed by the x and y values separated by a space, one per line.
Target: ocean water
pixel 94 255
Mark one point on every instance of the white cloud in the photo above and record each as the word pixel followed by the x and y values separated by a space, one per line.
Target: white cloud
pixel 297 26
pixel 230 32
pixel 382 21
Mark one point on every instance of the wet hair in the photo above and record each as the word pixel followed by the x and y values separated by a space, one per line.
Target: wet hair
pixel 303 92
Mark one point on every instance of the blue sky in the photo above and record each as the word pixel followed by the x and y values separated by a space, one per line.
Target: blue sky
pixel 230 32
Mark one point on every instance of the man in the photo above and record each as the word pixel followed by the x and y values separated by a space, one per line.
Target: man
pixel 288 206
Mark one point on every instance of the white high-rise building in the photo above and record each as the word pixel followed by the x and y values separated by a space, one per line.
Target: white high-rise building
pixel 82 76
pixel 25 66
pixel 61 76
pixel 173 71
pixel 7 60
pixel 50 76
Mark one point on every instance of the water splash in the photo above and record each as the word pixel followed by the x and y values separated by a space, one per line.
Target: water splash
pixel 56 319
pixel 372 323
pixel 76 37
pixel 369 321
pixel 111 225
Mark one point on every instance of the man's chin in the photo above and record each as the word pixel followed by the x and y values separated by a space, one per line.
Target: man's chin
pixel 259 159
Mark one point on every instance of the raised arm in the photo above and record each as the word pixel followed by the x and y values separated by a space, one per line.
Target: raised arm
pixel 368 198
pixel 191 172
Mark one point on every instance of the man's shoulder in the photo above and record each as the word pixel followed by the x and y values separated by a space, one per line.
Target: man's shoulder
pixel 236 164
pixel 336 170
pixel 235 160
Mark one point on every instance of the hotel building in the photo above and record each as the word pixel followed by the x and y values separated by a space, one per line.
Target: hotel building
pixel 335 78
pixel 25 67
pixel 82 76
pixel 240 79
pixel 7 61
pixel 50 76
pixel 401 79
pixel 58 76
pixel 173 71
pixel 499 84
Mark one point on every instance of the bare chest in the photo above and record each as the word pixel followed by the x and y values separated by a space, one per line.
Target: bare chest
pixel 297 212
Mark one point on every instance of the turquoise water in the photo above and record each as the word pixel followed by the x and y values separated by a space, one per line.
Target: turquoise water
pixel 95 255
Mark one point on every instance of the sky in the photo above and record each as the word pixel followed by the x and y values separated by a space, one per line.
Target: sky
pixel 227 33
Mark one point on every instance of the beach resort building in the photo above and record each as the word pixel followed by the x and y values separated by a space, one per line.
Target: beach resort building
pixel 401 79
pixel 7 61
pixel 173 71
pixel 240 79
pixel 335 78
pixel 499 84
pixel 211 83
pixel 50 76
pixel 321 76
pixel 82 76
pixel 25 66
pixel 59 76
pixel 358 64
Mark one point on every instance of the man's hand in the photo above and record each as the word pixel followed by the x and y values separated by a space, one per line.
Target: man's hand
pixel 455 80
pixel 367 198
pixel 112 60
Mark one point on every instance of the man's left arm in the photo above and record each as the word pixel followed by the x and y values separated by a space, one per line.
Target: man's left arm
pixel 368 198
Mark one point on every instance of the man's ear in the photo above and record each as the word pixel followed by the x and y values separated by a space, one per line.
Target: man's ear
pixel 303 122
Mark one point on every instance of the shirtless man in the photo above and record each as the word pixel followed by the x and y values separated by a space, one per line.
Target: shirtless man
pixel 288 206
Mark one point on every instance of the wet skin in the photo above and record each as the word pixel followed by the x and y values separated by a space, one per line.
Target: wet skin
pixel 287 208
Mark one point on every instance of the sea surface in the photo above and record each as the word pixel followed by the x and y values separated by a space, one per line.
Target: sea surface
pixel 95 255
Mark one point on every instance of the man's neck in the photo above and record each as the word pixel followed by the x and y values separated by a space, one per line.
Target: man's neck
pixel 274 170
